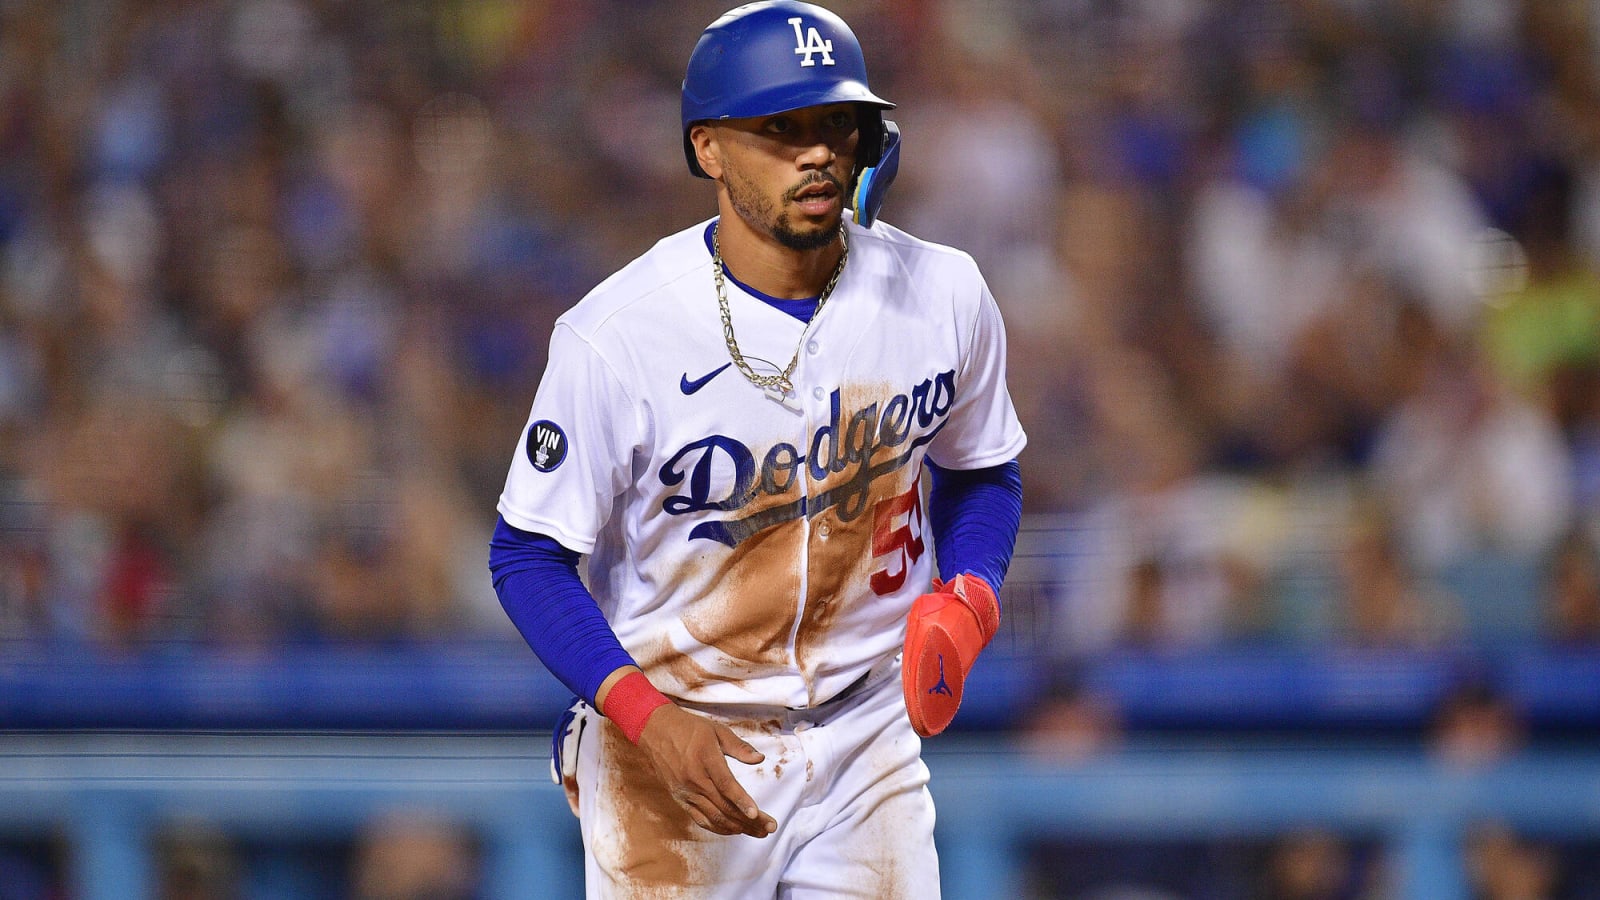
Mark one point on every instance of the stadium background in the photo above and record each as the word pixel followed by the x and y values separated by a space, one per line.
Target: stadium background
pixel 1304 301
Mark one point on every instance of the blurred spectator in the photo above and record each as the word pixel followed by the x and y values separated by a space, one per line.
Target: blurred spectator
pixel 118 522
pixel 1400 211
pixel 1313 864
pixel 1572 592
pixel 407 856
pixel 1543 329
pixel 1469 467
pixel 30 871
pixel 1159 565
pixel 1381 601
pixel 1263 269
pixel 196 862
pixel 1130 892
pixel 987 172
pixel 1087 868
pixel 1475 726
pixel 1504 866
pixel 1071 724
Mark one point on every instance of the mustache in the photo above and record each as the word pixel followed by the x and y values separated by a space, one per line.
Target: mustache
pixel 815 178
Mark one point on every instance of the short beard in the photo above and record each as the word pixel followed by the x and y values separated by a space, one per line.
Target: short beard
pixel 794 240
pixel 757 210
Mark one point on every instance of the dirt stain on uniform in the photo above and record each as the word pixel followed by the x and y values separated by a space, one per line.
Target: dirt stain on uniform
pixel 894 839
pixel 660 657
pixel 753 612
pixel 841 555
pixel 878 847
pixel 840 560
pixel 750 611
pixel 653 830
pixel 745 728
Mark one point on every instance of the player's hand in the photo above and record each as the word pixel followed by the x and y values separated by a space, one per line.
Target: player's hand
pixel 688 753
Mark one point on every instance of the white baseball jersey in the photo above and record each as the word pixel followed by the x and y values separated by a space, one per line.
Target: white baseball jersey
pixel 747 550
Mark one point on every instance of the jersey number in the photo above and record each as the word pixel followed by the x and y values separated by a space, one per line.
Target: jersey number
pixel 897 534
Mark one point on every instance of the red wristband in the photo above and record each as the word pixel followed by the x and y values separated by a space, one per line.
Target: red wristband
pixel 630 703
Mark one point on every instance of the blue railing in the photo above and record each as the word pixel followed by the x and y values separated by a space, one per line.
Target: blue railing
pixel 499 685
pixel 110 794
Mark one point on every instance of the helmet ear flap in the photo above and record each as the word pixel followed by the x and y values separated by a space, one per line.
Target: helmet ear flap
pixel 872 185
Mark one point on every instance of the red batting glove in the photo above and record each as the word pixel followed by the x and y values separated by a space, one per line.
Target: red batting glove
pixel 945 631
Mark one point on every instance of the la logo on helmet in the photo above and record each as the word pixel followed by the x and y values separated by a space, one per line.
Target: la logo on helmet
pixel 809 43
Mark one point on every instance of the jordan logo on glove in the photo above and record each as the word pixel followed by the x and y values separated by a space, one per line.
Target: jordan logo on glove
pixel 941 687
pixel 956 621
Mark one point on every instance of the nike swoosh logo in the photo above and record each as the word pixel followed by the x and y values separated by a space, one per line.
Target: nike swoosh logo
pixel 689 387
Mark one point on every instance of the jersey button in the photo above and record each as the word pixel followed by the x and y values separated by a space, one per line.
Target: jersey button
pixel 817 392
pixel 813 348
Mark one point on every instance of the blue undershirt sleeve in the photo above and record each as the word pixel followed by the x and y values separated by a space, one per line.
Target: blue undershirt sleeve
pixel 537 581
pixel 975 515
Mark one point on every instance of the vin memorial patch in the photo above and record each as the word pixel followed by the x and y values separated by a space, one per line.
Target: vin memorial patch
pixel 547 445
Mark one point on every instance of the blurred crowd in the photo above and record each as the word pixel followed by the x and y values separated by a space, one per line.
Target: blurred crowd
pixel 404 853
pixel 1303 296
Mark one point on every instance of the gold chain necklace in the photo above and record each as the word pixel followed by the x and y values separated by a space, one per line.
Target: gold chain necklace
pixel 771 383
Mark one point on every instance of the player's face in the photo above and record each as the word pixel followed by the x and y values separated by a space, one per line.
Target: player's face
pixel 786 175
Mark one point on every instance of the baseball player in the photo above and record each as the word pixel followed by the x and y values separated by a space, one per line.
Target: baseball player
pixel 762 433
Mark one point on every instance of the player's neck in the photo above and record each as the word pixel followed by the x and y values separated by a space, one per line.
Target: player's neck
pixel 761 262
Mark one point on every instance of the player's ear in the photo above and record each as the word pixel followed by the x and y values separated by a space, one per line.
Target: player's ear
pixel 707 150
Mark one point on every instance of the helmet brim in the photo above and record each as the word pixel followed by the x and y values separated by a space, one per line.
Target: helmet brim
pixel 786 98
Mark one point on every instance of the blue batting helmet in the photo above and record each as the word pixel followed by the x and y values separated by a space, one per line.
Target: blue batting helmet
pixel 771 57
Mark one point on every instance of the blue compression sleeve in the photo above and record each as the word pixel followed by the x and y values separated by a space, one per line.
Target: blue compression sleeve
pixel 538 584
pixel 975 515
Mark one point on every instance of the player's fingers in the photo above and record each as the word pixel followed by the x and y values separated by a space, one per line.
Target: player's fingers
pixel 724 806
pixel 756 823
pixel 711 780
pixel 733 793
pixel 738 748
pixel 698 818
pixel 759 827
pixel 705 814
